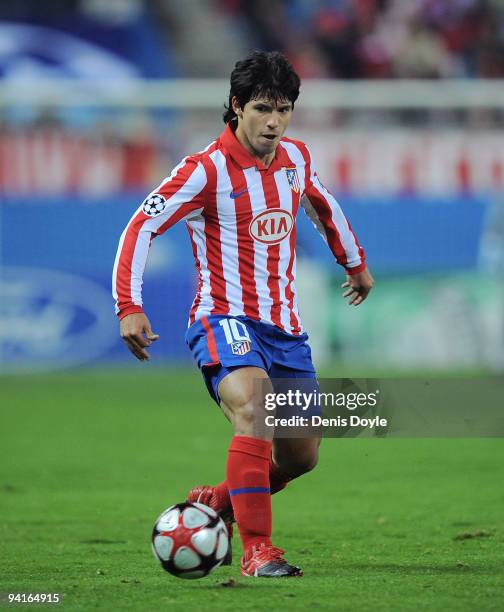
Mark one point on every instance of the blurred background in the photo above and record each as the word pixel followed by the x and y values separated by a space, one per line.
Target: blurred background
pixel 402 104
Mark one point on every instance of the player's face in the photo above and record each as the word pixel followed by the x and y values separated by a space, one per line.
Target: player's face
pixel 261 124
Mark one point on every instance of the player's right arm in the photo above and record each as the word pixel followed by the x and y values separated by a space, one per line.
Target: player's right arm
pixel 136 331
pixel 179 197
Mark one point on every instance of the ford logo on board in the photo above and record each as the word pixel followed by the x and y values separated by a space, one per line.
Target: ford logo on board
pixel 271 226
pixel 51 319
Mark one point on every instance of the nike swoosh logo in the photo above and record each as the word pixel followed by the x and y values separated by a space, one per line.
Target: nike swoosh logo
pixel 238 193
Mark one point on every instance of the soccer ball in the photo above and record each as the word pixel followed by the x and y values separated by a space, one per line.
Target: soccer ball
pixel 190 540
pixel 154 205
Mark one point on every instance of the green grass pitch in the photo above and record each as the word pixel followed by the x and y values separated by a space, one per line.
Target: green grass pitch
pixel 89 460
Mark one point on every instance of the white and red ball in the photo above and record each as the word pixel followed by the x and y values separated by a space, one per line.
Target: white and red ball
pixel 190 540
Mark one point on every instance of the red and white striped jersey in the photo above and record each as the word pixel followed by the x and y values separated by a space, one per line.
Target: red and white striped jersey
pixel 241 218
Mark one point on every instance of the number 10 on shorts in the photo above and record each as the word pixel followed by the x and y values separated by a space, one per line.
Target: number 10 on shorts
pixel 237 335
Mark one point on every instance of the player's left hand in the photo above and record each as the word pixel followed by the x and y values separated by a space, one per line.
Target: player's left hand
pixel 359 285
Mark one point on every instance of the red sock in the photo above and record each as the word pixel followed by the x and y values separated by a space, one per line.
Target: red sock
pixel 278 481
pixel 247 477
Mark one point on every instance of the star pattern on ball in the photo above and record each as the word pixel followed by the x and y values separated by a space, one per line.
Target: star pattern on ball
pixel 154 205
pixel 190 540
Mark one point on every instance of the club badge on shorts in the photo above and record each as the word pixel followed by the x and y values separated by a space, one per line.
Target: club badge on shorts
pixel 292 177
pixel 240 348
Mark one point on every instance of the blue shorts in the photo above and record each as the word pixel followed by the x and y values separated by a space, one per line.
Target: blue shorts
pixel 221 343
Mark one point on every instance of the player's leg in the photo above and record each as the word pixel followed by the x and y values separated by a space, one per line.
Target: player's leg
pixel 247 479
pixel 222 345
pixel 291 458
pixel 247 472
pixel 232 359
pixel 295 450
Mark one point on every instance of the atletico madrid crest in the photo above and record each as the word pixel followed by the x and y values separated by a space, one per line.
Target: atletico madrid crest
pixel 240 348
pixel 292 177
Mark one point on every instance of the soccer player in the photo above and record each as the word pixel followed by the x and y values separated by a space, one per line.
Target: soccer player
pixel 239 198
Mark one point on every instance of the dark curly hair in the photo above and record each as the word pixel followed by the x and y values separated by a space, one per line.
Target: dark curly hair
pixel 262 74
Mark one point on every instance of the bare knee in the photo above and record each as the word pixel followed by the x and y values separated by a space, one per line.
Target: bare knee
pixel 242 401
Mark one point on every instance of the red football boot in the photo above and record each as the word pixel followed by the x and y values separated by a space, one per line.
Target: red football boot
pixel 207 495
pixel 266 561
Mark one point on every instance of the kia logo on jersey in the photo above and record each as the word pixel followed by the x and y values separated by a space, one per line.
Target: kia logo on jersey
pixel 271 226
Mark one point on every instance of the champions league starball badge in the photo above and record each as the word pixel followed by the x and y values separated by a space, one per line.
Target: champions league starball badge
pixel 154 205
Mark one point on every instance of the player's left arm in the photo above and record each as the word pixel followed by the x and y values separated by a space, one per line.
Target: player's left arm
pixel 327 216
pixel 358 287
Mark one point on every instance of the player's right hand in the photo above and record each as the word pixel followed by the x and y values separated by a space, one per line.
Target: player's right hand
pixel 136 332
